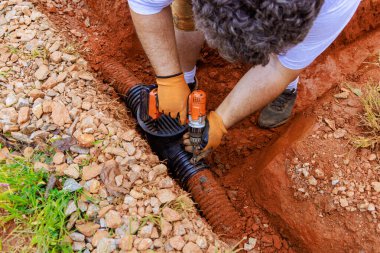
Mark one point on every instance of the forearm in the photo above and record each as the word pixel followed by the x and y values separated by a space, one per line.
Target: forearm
pixel 258 87
pixel 156 34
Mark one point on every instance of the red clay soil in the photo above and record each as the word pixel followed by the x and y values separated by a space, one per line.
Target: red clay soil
pixel 251 162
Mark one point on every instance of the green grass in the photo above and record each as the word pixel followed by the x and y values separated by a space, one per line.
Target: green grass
pixel 39 218
pixel 370 119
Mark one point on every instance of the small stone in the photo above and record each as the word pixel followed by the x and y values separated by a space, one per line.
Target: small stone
pixel 86 105
pixel 130 201
pixel 85 76
pixel 9 115
pixel 88 229
pixel 37 110
pixel 113 219
pixel 22 102
pixel 146 231
pixel 106 245
pixel 82 206
pixel 166 195
pixel 60 114
pixel 343 202
pixel 79 150
pixel 145 244
pixel 170 214
pixel 71 207
pixel 177 242
pixel 78 246
pixel 191 247
pixel 131 150
pixel 166 228
pixel 99 235
pixel 86 140
pixel 91 171
pixel 319 174
pixel 39 134
pixel 179 229
pixel 201 242
pixel 21 137
pixel 34 94
pixel 87 22
pixel 56 57
pixel 59 158
pixel 68 57
pixel 376 186
pixel 312 181
pixel 128 135
pixel 339 133
pixel 342 95
pixel 104 210
pixel 93 186
pixel 28 152
pixel 10 100
pixel 42 72
pixel 78 237
pixel 23 115
pixel 371 207
pixel 334 181
pixel 92 211
pixel 71 185
pixel 372 157
pixel 119 180
pixel 72 171
pixel 126 243
pixel 248 247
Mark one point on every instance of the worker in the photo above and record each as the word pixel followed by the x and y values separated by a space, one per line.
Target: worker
pixel 278 38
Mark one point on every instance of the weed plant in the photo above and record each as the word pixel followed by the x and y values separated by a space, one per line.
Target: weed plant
pixel 22 199
pixel 370 118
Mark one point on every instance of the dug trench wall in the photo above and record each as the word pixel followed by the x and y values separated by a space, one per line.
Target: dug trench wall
pixel 303 220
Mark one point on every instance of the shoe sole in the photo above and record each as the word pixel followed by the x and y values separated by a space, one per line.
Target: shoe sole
pixel 277 125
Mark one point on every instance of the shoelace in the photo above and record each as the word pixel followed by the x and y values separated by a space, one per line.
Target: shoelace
pixel 279 103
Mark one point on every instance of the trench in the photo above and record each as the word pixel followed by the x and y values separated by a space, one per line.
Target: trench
pixel 241 162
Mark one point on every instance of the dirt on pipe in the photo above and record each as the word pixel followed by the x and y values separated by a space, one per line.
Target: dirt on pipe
pixel 252 163
pixel 214 205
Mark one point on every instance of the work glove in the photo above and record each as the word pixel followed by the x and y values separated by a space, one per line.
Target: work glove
pixel 211 137
pixel 173 93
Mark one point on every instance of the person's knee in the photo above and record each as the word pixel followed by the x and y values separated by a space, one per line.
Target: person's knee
pixel 148 7
pixel 183 17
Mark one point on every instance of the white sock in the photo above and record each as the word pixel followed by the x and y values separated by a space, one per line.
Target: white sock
pixel 190 75
pixel 294 84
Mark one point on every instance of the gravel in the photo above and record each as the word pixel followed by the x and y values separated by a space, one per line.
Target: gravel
pixel 54 99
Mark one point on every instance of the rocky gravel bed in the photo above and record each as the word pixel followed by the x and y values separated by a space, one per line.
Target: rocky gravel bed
pixel 49 98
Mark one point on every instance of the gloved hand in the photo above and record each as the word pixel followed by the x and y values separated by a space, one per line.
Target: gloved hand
pixel 211 137
pixel 173 93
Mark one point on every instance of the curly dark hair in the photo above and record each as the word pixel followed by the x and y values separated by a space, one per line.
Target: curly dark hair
pixel 252 30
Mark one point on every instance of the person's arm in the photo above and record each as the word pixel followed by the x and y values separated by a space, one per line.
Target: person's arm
pixel 258 87
pixel 155 29
pixel 156 34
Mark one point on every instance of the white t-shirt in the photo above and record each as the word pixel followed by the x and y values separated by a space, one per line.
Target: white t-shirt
pixel 333 17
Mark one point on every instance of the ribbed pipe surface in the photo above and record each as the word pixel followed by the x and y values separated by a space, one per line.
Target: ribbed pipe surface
pixel 214 204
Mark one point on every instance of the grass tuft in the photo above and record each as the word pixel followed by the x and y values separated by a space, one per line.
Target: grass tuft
pixel 22 201
pixel 370 119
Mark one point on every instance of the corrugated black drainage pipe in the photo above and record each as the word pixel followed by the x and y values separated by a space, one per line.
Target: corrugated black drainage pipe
pixel 165 137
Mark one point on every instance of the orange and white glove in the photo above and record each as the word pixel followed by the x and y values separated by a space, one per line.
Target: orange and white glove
pixel 211 137
pixel 173 93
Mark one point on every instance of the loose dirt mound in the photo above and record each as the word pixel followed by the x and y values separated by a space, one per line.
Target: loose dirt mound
pixel 251 163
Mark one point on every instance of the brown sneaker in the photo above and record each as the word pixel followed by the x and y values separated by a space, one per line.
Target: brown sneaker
pixel 278 111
